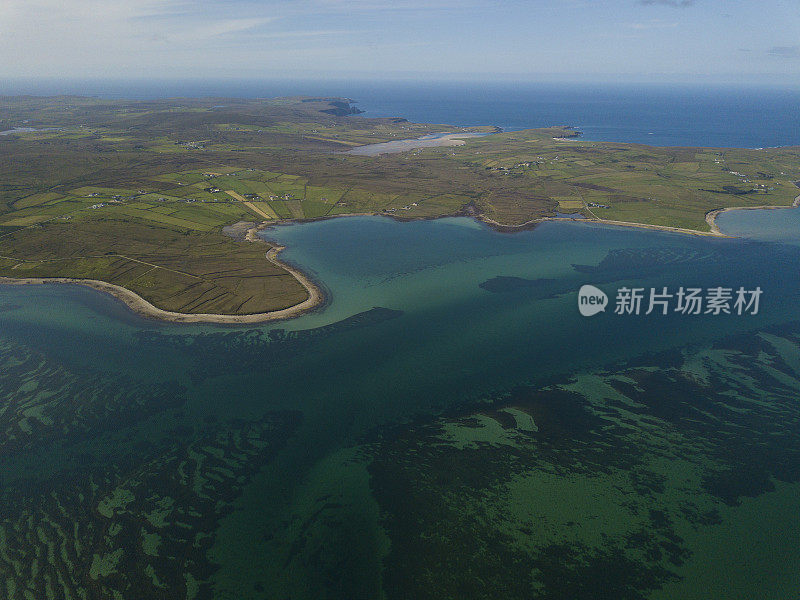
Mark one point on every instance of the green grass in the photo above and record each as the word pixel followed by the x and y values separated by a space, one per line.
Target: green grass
pixel 138 152
pixel 179 270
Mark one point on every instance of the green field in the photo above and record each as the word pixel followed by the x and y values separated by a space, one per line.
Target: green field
pixel 134 193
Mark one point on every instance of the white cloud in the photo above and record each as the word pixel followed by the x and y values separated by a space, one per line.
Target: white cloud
pixel 239 38
pixel 47 37
pixel 219 28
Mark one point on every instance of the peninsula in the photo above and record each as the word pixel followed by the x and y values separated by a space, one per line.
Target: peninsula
pixel 139 198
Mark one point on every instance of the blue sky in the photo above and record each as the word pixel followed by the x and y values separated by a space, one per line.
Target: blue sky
pixel 627 40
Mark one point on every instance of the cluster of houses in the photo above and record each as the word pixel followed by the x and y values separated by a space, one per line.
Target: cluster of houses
pixel 212 190
pixel 507 170
pixel 744 179
pixel 742 176
pixel 757 187
pixel 192 145
pixel 186 200
pixel 116 198
pixel 596 205
pixel 407 207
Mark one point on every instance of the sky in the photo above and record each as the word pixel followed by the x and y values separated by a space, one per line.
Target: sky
pixel 535 40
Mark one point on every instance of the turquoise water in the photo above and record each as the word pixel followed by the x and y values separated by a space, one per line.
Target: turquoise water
pixel 290 460
pixel 778 225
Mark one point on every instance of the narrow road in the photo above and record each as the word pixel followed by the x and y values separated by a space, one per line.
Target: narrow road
pixel 250 205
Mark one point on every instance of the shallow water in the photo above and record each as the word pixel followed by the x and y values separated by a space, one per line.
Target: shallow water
pixel 449 383
pixel 776 225
pixel 428 141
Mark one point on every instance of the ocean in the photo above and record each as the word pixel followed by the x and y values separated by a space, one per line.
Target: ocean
pixel 661 115
pixel 448 425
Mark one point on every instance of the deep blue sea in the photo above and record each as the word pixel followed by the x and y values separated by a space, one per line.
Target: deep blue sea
pixel 662 115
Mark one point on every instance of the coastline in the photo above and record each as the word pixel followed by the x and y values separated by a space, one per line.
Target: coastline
pixel 534 222
pixel 144 308
pixel 711 216
pixel 469 211
pixel 316 297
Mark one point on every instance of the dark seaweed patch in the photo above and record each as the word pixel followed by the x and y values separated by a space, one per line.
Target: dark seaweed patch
pixel 560 415
pixel 729 485
pixel 739 427
pixel 641 261
pixel 150 520
pixel 245 348
pixel 567 572
pixel 127 493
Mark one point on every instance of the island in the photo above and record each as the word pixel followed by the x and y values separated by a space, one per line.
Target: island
pixel 160 202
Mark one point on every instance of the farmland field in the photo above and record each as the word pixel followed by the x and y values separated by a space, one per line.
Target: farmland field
pixel 156 183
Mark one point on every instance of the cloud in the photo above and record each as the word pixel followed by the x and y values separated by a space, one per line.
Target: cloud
pixel 673 3
pixel 212 29
pixel 785 51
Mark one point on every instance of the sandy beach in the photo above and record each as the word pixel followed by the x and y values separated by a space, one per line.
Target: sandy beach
pixel 534 222
pixel 142 307
pixel 711 217
pixel 315 295
pixel 449 139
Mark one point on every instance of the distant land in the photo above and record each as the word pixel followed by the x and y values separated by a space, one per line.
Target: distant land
pixel 160 200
